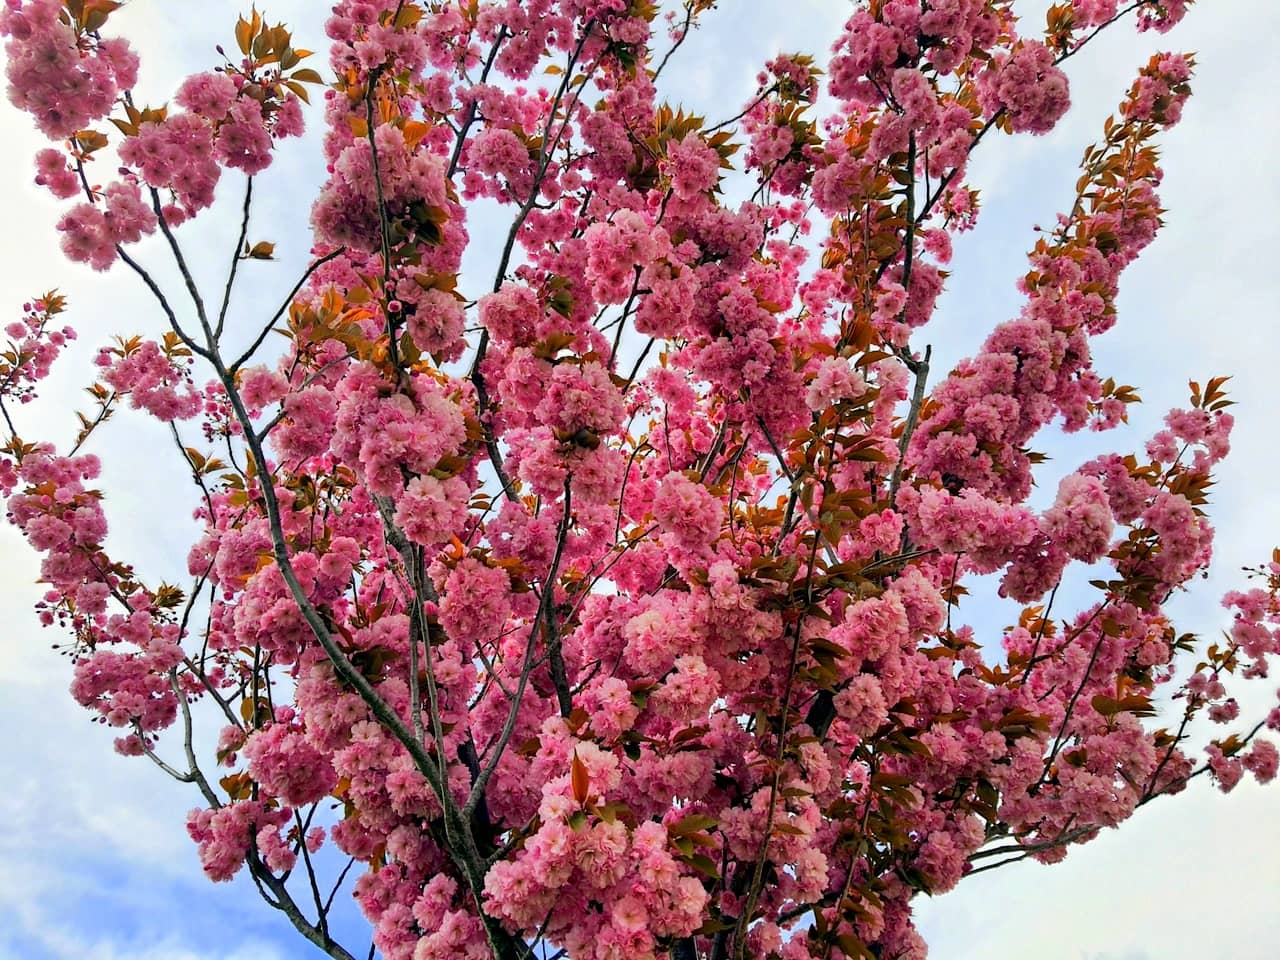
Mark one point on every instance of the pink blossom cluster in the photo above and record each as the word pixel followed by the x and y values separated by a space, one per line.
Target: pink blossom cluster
pixel 226 836
pixel 286 765
pixel 413 191
pixel 64 76
pixel 53 172
pixel 1026 87
pixel 93 232
pixel 176 155
pixel 67 76
pixel 632 874
pixel 124 661
pixel 34 344
pixel 155 380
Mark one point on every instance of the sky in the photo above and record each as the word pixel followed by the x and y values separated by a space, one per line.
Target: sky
pixel 94 860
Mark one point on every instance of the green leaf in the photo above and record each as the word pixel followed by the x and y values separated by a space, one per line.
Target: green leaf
pixel 704 865
pixel 693 823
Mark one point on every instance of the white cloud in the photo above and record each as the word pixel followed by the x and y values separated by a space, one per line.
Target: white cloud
pixel 52 909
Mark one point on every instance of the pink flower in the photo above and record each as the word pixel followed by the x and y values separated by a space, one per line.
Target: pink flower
pixel 1027 86
pixel 1080 518
pixel 687 512
pixel 209 94
pixel 581 398
pixel 861 704
pixel 153 381
pixel 1262 760
pixel 243 141
pixel 431 510
pixel 694 167
pixel 288 766
pixel 53 172
pixel 260 387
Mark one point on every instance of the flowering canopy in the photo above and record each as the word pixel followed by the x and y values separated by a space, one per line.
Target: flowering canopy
pixel 610 605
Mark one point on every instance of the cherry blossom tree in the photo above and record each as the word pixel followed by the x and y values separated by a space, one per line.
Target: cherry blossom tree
pixel 611 604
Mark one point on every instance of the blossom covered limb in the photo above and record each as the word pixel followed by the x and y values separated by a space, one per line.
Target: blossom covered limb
pixel 613 601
